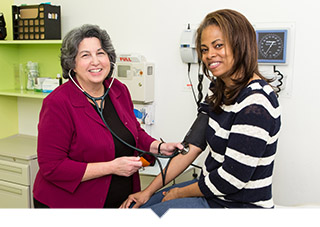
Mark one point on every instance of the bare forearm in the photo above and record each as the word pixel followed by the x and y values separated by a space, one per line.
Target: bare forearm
pixel 154 147
pixel 123 166
pixel 191 190
pixel 175 168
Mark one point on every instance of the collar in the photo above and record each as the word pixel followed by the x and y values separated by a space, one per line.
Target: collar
pixel 78 99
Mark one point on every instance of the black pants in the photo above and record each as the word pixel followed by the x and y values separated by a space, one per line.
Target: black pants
pixel 38 204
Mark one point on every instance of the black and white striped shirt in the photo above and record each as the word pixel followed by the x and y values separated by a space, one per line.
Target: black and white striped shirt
pixel 238 170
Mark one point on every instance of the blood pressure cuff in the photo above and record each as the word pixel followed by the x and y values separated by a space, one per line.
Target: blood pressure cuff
pixel 197 133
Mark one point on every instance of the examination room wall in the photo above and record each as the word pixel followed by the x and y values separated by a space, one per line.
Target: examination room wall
pixel 153 28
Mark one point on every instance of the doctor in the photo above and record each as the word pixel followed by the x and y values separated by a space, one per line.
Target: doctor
pixel 82 165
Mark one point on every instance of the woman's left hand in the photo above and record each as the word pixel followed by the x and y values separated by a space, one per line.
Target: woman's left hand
pixel 174 193
pixel 169 148
pixel 165 148
pixel 191 190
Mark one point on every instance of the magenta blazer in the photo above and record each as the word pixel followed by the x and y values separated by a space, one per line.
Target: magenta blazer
pixel 72 134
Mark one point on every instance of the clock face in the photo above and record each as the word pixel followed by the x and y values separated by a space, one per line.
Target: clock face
pixel 272 46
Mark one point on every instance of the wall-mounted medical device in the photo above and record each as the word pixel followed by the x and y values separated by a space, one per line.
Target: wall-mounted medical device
pixel 275 42
pixel 188 51
pixel 138 75
pixel 272 46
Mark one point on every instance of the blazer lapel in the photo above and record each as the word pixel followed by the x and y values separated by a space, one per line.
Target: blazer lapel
pixel 79 100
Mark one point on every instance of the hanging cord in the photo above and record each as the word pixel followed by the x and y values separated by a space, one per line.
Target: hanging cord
pixel 194 165
pixel 280 78
pixel 190 82
pixel 156 156
pixel 200 79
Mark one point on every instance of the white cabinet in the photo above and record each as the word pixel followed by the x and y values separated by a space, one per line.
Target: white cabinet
pixel 18 168
pixel 14 195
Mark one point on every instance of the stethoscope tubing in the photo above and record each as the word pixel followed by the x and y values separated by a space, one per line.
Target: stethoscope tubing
pixel 100 111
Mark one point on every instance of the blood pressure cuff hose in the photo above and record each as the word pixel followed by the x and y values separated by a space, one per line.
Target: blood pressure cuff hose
pixel 197 133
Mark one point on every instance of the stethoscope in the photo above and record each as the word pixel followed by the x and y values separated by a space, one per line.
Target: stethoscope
pixel 100 112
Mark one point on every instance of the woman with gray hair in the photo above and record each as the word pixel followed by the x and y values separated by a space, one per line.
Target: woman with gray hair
pixel 81 163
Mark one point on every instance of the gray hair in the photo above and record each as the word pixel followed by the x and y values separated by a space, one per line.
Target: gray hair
pixel 71 41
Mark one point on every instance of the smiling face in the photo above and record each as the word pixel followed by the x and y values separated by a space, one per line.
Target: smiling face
pixel 216 54
pixel 92 63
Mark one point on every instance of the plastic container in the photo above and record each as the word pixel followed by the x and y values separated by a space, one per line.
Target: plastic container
pixel 32 74
pixel 36 22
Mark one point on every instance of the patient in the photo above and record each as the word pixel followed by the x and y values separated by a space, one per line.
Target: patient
pixel 242 130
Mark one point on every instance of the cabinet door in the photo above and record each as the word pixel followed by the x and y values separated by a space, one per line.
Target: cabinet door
pixel 14 172
pixel 14 195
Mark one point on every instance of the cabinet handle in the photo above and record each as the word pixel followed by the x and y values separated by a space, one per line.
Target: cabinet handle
pixel 10 168
pixel 10 189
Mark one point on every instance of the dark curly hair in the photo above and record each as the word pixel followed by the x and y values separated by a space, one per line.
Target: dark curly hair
pixel 71 41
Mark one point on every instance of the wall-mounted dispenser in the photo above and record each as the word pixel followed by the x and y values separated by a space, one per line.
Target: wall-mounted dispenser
pixel 187 46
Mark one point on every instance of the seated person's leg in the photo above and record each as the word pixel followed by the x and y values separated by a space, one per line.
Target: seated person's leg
pixel 157 197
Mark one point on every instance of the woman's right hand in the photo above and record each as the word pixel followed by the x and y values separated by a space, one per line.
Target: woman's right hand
pixel 126 166
pixel 139 198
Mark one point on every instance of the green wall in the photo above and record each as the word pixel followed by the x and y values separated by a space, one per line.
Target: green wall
pixel 8 105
